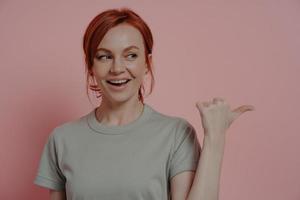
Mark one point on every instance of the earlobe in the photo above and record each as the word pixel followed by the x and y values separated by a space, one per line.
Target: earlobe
pixel 92 71
pixel 150 57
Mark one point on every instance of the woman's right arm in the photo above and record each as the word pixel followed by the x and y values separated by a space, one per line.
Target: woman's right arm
pixel 57 195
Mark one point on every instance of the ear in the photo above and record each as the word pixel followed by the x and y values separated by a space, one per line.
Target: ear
pixel 91 72
pixel 150 62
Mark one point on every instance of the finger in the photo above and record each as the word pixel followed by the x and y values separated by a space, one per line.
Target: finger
pixel 218 99
pixel 205 103
pixel 240 110
pixel 244 108
pixel 201 105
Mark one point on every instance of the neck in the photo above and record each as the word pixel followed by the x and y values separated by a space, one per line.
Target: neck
pixel 119 114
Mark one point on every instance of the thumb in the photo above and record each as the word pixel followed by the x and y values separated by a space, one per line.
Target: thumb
pixel 240 110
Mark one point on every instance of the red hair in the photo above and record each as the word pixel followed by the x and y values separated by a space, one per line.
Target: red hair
pixel 95 32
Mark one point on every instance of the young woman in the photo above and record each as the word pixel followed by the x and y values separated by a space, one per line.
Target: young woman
pixel 125 149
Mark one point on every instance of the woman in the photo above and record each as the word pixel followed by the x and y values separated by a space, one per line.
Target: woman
pixel 125 149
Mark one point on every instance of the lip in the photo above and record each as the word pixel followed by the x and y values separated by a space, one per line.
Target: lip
pixel 117 79
pixel 118 88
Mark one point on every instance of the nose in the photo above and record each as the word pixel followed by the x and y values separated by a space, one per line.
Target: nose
pixel 117 66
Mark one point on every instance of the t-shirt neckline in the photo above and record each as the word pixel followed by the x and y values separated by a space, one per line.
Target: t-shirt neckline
pixel 95 125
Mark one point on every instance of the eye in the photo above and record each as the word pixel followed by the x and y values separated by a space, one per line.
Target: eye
pixel 103 56
pixel 133 55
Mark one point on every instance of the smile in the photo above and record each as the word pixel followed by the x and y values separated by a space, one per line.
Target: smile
pixel 118 85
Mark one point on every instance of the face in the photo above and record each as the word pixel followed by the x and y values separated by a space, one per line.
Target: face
pixel 120 56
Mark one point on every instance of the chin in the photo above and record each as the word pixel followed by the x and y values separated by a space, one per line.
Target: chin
pixel 120 97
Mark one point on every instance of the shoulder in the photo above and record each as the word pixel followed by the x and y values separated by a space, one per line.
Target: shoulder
pixel 68 128
pixel 176 122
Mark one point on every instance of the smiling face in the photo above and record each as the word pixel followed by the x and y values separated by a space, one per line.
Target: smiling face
pixel 120 55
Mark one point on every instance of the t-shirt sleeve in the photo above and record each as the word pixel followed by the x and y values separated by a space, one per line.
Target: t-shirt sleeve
pixel 186 149
pixel 49 174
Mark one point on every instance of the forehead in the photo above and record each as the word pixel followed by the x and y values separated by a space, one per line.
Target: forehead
pixel 120 37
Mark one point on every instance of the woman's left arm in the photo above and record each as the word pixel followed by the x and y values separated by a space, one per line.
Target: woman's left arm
pixel 207 177
pixel 216 117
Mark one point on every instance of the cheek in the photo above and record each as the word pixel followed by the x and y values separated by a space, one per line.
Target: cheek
pixel 100 72
pixel 137 69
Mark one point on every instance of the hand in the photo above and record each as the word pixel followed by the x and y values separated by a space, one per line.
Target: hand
pixel 216 116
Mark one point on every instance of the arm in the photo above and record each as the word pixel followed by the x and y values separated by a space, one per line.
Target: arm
pixel 181 185
pixel 57 195
pixel 216 117
pixel 204 184
pixel 206 181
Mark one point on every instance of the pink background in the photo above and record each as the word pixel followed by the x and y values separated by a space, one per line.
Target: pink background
pixel 244 51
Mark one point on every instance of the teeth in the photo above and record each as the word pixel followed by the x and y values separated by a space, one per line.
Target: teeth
pixel 118 81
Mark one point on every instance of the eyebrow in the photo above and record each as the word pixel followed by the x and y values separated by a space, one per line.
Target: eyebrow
pixel 127 48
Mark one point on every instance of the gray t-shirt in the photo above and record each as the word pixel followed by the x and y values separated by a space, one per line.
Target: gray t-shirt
pixel 136 161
